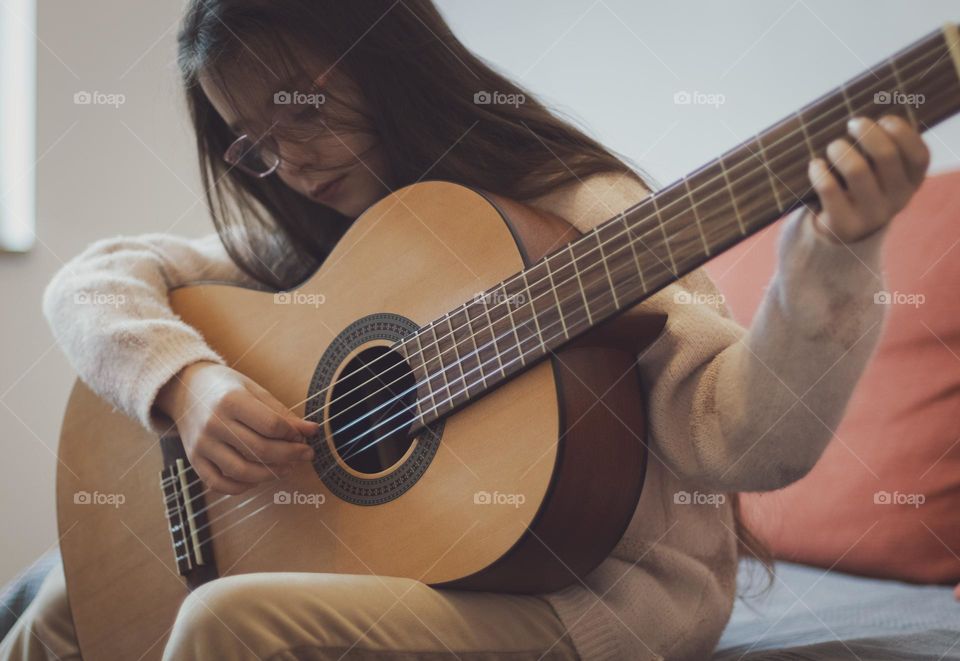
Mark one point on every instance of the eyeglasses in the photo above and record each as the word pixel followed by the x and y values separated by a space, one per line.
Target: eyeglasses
pixel 258 158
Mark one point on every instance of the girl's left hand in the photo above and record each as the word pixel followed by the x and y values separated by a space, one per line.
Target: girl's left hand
pixel 882 172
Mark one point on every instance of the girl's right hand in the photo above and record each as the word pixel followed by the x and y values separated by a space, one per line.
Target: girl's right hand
pixel 235 433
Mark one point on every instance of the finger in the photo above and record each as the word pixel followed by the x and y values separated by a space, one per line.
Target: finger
pixel 913 150
pixel 232 465
pixel 266 421
pixel 835 205
pixel 863 188
pixel 885 154
pixel 255 447
pixel 213 479
pixel 304 427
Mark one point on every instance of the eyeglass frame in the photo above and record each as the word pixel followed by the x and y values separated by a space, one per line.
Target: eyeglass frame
pixel 238 164
pixel 318 84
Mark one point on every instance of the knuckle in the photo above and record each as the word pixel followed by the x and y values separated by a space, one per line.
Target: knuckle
pixel 278 426
pixel 210 427
pixel 229 401
pixel 256 448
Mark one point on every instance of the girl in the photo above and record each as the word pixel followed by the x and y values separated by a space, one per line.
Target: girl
pixel 307 112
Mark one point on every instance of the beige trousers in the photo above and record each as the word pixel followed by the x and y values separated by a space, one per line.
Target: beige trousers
pixel 319 616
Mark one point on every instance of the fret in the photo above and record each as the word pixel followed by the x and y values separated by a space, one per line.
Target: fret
pixel 876 95
pixel 787 153
pixel 633 248
pixel 674 210
pixel 536 317
pixel 715 205
pixel 543 305
pixel 752 180
pixel 576 271
pixel 568 289
pixel 903 88
pixel 606 268
pixel 467 358
pixel 488 358
pixel 420 373
pixel 456 367
pixel 553 288
pixel 846 101
pixel 740 223
pixel 825 119
pixel 806 136
pixel 696 217
pixel 503 326
pixel 766 166
pixel 492 344
pixel 621 270
pixel 437 377
pixel 932 76
pixel 520 309
pixel 663 231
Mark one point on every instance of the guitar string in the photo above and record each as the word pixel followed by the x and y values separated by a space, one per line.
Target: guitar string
pixel 463 378
pixel 894 74
pixel 466 389
pixel 448 333
pixel 471 354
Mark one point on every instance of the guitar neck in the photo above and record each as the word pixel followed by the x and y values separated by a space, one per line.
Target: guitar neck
pixel 628 258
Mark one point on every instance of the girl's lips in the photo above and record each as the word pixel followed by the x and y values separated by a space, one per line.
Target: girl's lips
pixel 328 192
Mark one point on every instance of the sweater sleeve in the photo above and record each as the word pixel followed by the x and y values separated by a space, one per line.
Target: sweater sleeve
pixel 109 311
pixel 735 409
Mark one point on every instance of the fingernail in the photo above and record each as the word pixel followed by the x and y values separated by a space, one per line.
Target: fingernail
pixel 855 124
pixel 888 122
pixel 307 453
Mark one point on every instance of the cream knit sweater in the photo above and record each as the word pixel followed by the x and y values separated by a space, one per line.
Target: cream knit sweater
pixel 728 409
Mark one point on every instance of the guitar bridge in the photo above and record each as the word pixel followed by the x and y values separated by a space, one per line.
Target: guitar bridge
pixel 186 516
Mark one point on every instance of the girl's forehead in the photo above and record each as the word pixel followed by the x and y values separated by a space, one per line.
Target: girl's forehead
pixel 252 97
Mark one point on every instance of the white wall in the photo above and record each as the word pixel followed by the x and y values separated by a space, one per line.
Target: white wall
pixel 614 64
pixel 101 171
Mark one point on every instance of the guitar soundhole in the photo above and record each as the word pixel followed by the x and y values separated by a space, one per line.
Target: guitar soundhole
pixel 372 406
pixel 364 453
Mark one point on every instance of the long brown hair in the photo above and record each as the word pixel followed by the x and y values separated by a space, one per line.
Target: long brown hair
pixel 420 84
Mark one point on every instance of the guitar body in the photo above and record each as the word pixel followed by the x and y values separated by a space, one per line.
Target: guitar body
pixel 523 490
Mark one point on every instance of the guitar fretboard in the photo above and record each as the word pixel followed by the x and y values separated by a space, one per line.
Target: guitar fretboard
pixel 623 261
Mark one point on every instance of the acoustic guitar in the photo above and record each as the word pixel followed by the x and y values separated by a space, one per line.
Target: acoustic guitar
pixel 470 360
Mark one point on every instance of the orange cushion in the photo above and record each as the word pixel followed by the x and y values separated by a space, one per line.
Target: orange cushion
pixel 884 499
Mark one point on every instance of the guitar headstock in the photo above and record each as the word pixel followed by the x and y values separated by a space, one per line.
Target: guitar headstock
pixel 952 34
